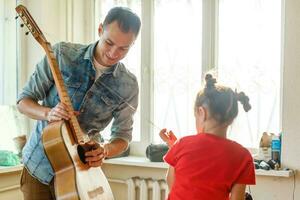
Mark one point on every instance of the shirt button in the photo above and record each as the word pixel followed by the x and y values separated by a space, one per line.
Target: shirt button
pixel 81 110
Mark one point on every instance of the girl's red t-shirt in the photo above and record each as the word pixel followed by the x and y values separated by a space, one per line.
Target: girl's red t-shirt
pixel 207 166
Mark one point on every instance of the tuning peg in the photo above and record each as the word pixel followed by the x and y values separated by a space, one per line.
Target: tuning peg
pixel 22 25
pixel 27 33
pixel 16 17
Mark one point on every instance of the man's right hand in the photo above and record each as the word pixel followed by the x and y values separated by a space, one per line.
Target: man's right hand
pixel 168 137
pixel 59 112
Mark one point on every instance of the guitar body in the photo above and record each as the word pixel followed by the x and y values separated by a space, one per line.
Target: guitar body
pixel 73 179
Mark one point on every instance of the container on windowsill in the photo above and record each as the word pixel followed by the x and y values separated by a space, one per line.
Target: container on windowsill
pixel 20 142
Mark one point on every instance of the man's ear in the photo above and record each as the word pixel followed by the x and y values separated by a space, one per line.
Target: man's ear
pixel 100 29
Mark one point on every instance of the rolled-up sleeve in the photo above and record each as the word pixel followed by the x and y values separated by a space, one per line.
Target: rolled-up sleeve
pixel 123 117
pixel 39 82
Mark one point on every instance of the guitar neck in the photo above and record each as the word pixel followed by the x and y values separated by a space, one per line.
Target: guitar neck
pixel 63 94
pixel 28 20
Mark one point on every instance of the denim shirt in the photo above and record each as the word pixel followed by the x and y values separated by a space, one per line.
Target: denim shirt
pixel 114 95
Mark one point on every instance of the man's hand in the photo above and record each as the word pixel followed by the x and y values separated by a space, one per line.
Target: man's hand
pixel 168 137
pixel 59 112
pixel 95 157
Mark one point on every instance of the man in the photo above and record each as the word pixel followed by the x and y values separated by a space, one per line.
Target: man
pixel 100 88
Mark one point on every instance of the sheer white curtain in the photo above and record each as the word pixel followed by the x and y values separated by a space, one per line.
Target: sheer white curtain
pixel 177 64
pixel 249 59
pixel 10 120
pixel 2 21
pixel 8 70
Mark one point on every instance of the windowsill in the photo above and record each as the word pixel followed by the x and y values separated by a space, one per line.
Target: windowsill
pixel 277 173
pixel 137 161
pixel 8 169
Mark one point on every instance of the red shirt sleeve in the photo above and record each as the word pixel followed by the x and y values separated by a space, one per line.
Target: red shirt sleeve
pixel 171 156
pixel 247 171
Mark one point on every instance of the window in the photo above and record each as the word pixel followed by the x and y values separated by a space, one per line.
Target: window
pixel 9 117
pixel 249 60
pixel 182 39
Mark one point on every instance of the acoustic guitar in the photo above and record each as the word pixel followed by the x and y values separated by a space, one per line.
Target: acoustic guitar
pixel 64 142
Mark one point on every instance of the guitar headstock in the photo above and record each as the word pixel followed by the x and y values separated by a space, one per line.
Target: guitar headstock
pixel 31 25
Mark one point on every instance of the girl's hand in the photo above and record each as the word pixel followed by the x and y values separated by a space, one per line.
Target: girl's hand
pixel 168 137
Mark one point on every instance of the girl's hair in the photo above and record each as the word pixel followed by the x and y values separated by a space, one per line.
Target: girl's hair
pixel 221 101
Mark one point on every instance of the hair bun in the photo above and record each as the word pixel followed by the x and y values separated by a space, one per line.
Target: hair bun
pixel 210 81
pixel 244 99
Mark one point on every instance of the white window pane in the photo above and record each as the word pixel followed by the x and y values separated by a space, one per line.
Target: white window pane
pixel 177 64
pixel 8 69
pixel 249 60
pixel 2 33
pixel 132 60
pixel 10 124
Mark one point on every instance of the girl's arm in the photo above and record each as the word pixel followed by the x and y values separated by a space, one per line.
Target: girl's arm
pixel 238 192
pixel 170 177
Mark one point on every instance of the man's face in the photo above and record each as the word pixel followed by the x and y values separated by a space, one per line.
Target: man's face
pixel 113 44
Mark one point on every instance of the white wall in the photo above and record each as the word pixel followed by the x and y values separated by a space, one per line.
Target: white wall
pixel 67 20
pixel 57 27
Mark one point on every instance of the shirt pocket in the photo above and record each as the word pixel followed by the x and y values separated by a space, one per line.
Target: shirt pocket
pixel 105 104
pixel 108 100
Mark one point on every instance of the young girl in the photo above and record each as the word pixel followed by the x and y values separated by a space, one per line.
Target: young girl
pixel 207 166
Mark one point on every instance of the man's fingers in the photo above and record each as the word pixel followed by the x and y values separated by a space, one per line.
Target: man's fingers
pixel 94 158
pixel 95 164
pixel 97 149
pixel 62 111
pixel 94 152
pixel 61 114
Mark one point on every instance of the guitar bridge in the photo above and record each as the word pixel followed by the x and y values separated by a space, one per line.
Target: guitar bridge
pixel 98 191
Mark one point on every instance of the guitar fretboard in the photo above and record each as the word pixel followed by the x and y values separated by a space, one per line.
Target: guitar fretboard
pixel 64 97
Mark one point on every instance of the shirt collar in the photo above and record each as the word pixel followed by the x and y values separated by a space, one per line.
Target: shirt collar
pixel 89 56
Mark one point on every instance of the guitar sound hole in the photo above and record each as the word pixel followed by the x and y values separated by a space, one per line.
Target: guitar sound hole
pixel 81 151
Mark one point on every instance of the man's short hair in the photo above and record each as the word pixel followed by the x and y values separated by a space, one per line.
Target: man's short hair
pixel 126 18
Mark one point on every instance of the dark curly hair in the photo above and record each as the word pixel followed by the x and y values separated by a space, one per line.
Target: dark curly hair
pixel 221 101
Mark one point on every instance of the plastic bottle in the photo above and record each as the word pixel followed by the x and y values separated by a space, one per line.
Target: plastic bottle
pixel 276 148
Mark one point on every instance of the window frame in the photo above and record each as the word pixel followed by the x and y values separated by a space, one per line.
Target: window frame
pixel 209 59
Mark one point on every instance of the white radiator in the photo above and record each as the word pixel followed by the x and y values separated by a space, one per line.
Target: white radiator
pixel 144 189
